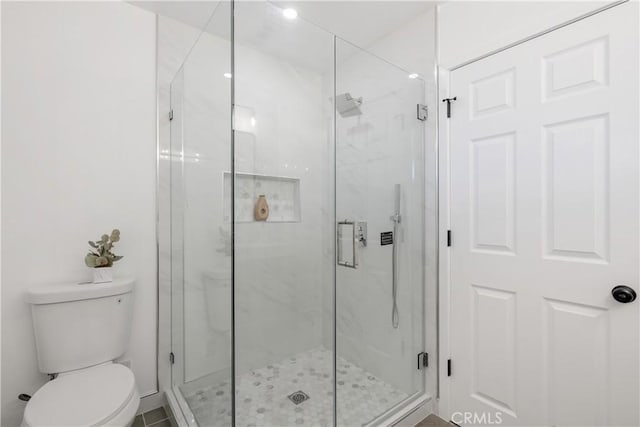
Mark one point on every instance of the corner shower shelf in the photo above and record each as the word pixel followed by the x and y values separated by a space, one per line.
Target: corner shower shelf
pixel 282 194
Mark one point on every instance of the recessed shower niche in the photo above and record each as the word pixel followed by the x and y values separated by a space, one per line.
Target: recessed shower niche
pixel 282 194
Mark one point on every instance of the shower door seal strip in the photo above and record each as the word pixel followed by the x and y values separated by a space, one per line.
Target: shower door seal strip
pixel 400 411
pixel 180 409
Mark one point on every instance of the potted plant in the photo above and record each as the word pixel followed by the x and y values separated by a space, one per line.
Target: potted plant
pixel 101 257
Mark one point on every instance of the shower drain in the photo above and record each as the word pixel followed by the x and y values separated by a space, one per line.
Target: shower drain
pixel 298 397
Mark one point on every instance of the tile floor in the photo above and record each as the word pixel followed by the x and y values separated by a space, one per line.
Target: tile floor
pixel 434 421
pixel 156 418
pixel 263 401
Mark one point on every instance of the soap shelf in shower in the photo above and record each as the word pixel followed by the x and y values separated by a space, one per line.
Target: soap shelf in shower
pixel 282 194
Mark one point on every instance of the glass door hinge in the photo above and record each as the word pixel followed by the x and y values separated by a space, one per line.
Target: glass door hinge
pixel 421 112
pixel 423 360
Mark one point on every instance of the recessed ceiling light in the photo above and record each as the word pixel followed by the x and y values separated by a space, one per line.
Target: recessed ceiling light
pixel 413 76
pixel 227 75
pixel 290 13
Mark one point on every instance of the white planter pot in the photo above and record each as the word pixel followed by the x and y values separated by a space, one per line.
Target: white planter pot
pixel 103 275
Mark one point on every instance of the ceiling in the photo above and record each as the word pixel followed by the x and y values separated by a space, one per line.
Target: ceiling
pixel 307 41
pixel 361 22
pixel 194 13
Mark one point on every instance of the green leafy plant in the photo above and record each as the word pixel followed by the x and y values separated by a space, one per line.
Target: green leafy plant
pixel 100 255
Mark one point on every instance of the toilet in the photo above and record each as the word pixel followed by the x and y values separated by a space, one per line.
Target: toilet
pixel 80 329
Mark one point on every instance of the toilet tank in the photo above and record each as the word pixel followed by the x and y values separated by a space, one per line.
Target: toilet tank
pixel 81 325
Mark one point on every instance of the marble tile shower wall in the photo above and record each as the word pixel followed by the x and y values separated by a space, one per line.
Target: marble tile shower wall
pixel 375 151
pixel 281 271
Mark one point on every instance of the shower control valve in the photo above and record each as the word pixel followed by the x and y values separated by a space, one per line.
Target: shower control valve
pixel 361 233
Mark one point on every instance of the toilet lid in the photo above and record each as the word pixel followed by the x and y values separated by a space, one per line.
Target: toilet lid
pixel 86 398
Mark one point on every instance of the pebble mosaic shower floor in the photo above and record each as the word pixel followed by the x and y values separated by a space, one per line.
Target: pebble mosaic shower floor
pixel 263 395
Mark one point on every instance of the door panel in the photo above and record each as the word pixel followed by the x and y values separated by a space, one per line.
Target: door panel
pixel 544 214
pixel 379 177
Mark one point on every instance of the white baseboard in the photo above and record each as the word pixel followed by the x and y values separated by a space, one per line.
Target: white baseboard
pixel 151 402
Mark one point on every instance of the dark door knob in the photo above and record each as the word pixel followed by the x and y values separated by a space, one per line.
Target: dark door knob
pixel 623 294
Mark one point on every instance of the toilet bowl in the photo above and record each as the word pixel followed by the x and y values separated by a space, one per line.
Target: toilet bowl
pixel 103 395
pixel 80 330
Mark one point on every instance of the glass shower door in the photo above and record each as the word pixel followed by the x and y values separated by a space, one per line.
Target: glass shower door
pixel 283 219
pixel 176 198
pixel 201 247
pixel 274 321
pixel 379 205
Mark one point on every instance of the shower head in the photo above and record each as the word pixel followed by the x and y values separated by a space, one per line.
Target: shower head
pixel 348 106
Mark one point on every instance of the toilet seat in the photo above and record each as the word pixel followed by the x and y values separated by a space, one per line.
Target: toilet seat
pixel 89 397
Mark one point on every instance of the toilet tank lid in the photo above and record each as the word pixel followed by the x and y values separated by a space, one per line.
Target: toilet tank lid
pixel 77 291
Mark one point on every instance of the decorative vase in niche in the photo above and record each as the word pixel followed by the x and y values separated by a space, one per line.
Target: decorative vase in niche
pixel 103 274
pixel 261 210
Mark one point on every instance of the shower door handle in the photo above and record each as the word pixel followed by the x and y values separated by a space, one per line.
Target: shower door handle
pixel 351 235
pixel 623 294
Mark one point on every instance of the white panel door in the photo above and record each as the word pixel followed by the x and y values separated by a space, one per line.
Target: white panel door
pixel 544 217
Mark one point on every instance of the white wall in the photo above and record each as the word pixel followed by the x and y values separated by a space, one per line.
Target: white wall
pixel 78 158
pixel 469 29
pixel 411 46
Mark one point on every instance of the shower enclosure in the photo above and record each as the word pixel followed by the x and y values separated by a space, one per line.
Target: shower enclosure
pixel 313 315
